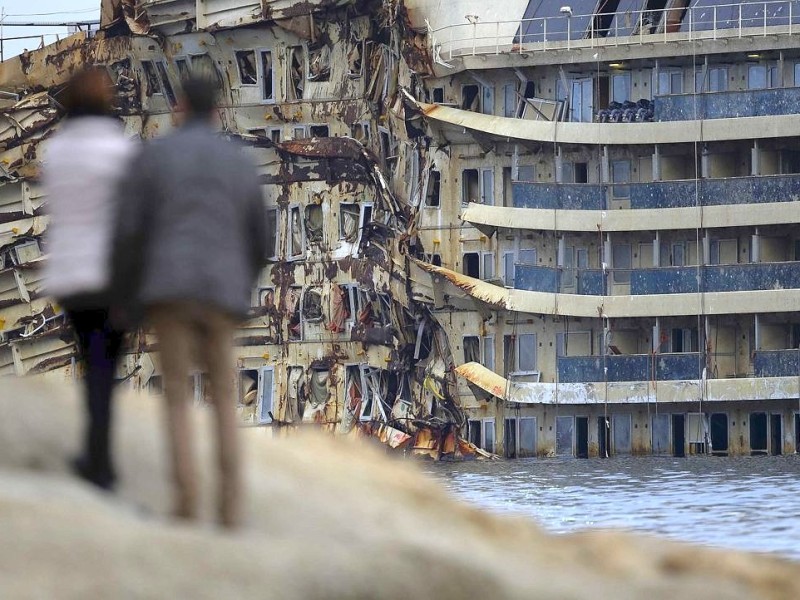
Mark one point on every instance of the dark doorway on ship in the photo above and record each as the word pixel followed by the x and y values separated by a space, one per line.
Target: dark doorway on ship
pixel 758 433
pixel 582 437
pixel 797 432
pixel 719 434
pixel 510 439
pixel 603 436
pixel 679 436
pixel 776 435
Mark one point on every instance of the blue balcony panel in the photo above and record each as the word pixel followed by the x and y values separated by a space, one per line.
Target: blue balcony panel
pixel 716 278
pixel 777 363
pixel 563 196
pixel 629 367
pixel 591 282
pixel 726 105
pixel 537 279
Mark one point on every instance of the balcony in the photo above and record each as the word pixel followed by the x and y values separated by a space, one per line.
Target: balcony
pixel 777 363
pixel 663 280
pixel 728 105
pixel 631 367
pixel 661 194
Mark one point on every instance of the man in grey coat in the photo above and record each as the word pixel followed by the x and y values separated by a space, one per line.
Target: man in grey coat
pixel 191 239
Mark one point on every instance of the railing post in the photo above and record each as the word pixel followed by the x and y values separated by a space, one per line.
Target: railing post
pixel 544 29
pixel 715 22
pixel 740 20
pixel 569 32
pixel 497 38
pixel 765 18
pixel 691 23
pixel 451 43
pixel 790 18
pixel 616 31
pixel 521 36
pixel 474 33
pixel 641 25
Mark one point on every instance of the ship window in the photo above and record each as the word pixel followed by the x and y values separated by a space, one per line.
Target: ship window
pixel 314 223
pixel 166 86
pixel 472 349
pixel 319 64
pixel 295 246
pixel 470 187
pixel 246 64
pixel 152 86
pixel 184 71
pixel 434 186
pixel 319 130
pixel 667 82
pixel 487 343
pixel 763 76
pixel 266 392
pixel 487 265
pixel 360 132
pixel 621 87
pixel 621 262
pixel 275 135
pixel 349 215
pixel 296 65
pixel 526 173
pixel 510 100
pixel 267 75
pixel 509 268
pixel 272 232
pixel 620 174
pixel 438 95
pixel 526 352
pixel 474 432
pixel 488 435
pixel 472 264
pixel 471 97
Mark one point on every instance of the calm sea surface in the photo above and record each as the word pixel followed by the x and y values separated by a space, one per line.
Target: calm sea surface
pixel 750 503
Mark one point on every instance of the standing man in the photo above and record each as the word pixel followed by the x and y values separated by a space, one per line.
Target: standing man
pixel 191 239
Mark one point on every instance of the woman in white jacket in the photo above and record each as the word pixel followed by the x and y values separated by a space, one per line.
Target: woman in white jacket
pixel 84 162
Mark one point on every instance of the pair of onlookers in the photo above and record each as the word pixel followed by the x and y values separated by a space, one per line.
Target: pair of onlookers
pixel 168 234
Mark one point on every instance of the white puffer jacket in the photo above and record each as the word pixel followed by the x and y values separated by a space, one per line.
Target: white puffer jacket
pixel 83 164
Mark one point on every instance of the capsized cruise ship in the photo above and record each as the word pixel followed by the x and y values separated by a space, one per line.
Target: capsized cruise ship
pixel 527 228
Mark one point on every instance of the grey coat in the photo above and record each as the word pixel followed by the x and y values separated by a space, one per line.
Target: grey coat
pixel 190 226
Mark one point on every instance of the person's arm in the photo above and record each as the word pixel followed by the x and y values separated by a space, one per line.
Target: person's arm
pixel 128 240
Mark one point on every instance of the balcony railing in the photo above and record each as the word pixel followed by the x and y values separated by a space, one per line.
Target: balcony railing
pixel 727 105
pixel 661 194
pixel 777 363
pixel 583 29
pixel 630 367
pixel 660 280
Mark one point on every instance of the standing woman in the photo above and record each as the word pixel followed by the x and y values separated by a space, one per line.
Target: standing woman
pixel 83 164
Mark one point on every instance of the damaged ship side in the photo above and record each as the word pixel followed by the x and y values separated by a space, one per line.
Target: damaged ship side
pixel 339 336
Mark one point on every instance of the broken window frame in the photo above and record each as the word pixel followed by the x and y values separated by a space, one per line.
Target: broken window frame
pixel 296 314
pixel 433 189
pixel 352 209
pixel 293 253
pixel 317 237
pixel 363 135
pixel 308 292
pixel 262 294
pixel 530 352
pixel 318 127
pixel 360 46
pixel 270 98
pixel 371 398
pixel 249 80
pixel 476 105
pixel 295 92
pixel 299 132
pixel 486 426
pixel 275 134
pixel 485 184
pixel 183 67
pixel 266 395
pixel 323 51
pixel 152 80
pixel 276 231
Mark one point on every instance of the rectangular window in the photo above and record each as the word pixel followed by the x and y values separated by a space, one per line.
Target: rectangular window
pixel 620 174
pixel 472 348
pixel 487 266
pixel 488 352
pixel 621 87
pixel 296 73
pixel 797 77
pixel 318 131
pixel 487 187
pixel 246 65
pixel 474 428
pixel 470 186
pixel 526 256
pixel 471 97
pixel 349 215
pixel 510 101
pixel 266 394
pixel 526 173
pixel 267 76
pixel 434 187
pixel 295 246
pixel 184 70
pixel 526 352
pixel 678 254
pixel 667 82
pixel 361 132
pixel 166 86
pixel 763 76
pixel 438 95
pixel 152 85
pixel 272 232
pixel 299 133
pixel 509 260
pixel 472 264
pixel 275 135
pixel 621 262
pixel 715 80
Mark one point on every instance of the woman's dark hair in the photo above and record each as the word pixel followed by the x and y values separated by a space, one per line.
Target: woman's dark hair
pixel 90 92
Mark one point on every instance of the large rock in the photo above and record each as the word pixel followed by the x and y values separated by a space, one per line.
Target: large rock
pixel 326 519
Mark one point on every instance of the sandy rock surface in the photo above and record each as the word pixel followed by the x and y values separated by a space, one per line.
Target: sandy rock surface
pixel 326 519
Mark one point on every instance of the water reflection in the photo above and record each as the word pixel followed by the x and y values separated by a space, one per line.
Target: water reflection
pixel 745 503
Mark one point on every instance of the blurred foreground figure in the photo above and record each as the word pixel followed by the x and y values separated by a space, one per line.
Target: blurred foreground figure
pixel 84 162
pixel 190 243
